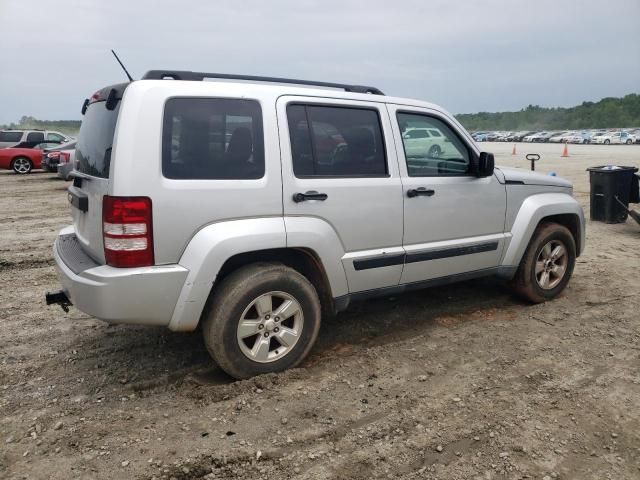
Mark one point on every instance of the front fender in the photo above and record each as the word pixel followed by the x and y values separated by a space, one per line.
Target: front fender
pixel 206 253
pixel 532 211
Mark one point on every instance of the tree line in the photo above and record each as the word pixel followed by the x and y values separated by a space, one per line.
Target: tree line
pixel 607 113
pixel 69 127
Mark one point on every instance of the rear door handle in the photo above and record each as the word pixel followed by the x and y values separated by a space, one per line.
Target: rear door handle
pixel 310 195
pixel 420 192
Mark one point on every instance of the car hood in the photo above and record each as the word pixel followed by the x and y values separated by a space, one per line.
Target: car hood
pixel 526 177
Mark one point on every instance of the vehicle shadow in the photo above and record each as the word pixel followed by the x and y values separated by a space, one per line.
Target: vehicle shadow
pixel 143 358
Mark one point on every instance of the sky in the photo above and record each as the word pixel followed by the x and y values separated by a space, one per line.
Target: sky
pixel 464 55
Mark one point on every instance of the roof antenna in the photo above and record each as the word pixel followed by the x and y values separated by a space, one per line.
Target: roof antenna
pixel 123 67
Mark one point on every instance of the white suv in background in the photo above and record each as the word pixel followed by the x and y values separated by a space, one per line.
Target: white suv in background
pixel 619 138
pixel 11 138
pixel 256 209
pixel 420 140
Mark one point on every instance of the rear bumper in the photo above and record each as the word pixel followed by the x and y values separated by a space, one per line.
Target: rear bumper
pixel 49 166
pixel 145 296
pixel 64 170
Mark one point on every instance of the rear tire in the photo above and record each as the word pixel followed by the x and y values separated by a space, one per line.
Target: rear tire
pixel 21 165
pixel 243 329
pixel 434 152
pixel 538 278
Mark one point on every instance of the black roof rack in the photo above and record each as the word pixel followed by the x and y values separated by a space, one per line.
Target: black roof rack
pixel 199 76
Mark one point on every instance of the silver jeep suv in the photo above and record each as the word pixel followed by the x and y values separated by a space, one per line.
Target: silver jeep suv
pixel 256 208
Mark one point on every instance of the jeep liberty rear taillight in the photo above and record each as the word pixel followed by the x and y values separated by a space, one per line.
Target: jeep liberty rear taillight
pixel 127 231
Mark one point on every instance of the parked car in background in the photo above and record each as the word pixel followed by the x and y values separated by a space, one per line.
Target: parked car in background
pixel 51 156
pixel 502 136
pixel 579 137
pixel 614 138
pixel 67 164
pixel 544 137
pixel 421 141
pixel 480 136
pixel 22 159
pixel 12 138
pixel 536 137
pixel 560 137
pixel 518 136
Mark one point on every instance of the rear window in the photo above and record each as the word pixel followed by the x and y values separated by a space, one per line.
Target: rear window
pixel 93 149
pixel 212 139
pixel 10 136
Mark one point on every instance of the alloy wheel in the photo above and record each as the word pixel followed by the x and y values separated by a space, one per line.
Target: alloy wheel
pixel 551 265
pixel 270 327
pixel 21 165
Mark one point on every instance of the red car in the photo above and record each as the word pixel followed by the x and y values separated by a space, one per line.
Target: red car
pixel 23 159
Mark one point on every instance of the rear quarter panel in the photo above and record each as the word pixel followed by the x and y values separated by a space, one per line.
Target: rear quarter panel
pixel 181 208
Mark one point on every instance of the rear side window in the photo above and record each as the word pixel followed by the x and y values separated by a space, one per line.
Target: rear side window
pixel 336 141
pixel 10 136
pixel 212 139
pixel 35 137
pixel 93 149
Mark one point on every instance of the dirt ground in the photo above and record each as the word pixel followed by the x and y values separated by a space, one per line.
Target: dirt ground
pixel 458 382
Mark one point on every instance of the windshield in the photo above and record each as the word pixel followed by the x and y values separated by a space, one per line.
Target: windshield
pixel 93 149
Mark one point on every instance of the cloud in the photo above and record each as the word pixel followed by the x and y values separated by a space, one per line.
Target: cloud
pixel 467 56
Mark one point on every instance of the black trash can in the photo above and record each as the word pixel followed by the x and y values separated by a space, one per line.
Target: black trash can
pixel 634 196
pixel 607 183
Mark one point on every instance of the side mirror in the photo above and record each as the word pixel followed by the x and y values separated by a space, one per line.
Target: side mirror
pixel 486 164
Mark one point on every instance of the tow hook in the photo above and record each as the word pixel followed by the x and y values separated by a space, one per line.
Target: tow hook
pixel 60 298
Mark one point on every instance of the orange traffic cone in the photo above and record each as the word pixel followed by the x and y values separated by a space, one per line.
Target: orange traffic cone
pixel 565 153
pixel 514 149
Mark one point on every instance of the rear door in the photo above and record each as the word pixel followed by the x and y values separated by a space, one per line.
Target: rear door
pixel 340 166
pixel 93 152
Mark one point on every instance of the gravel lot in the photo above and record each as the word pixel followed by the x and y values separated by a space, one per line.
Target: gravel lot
pixel 458 382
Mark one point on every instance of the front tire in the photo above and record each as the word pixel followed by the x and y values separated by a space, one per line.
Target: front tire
pixel 547 264
pixel 262 318
pixel 21 165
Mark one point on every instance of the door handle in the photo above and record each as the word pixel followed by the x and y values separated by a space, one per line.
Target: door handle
pixel 310 195
pixel 420 192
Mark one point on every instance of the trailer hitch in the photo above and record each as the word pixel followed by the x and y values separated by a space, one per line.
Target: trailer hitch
pixel 59 298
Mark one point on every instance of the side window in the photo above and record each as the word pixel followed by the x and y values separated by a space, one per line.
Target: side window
pixel 54 137
pixel 336 141
pixel 35 137
pixel 212 139
pixel 438 153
